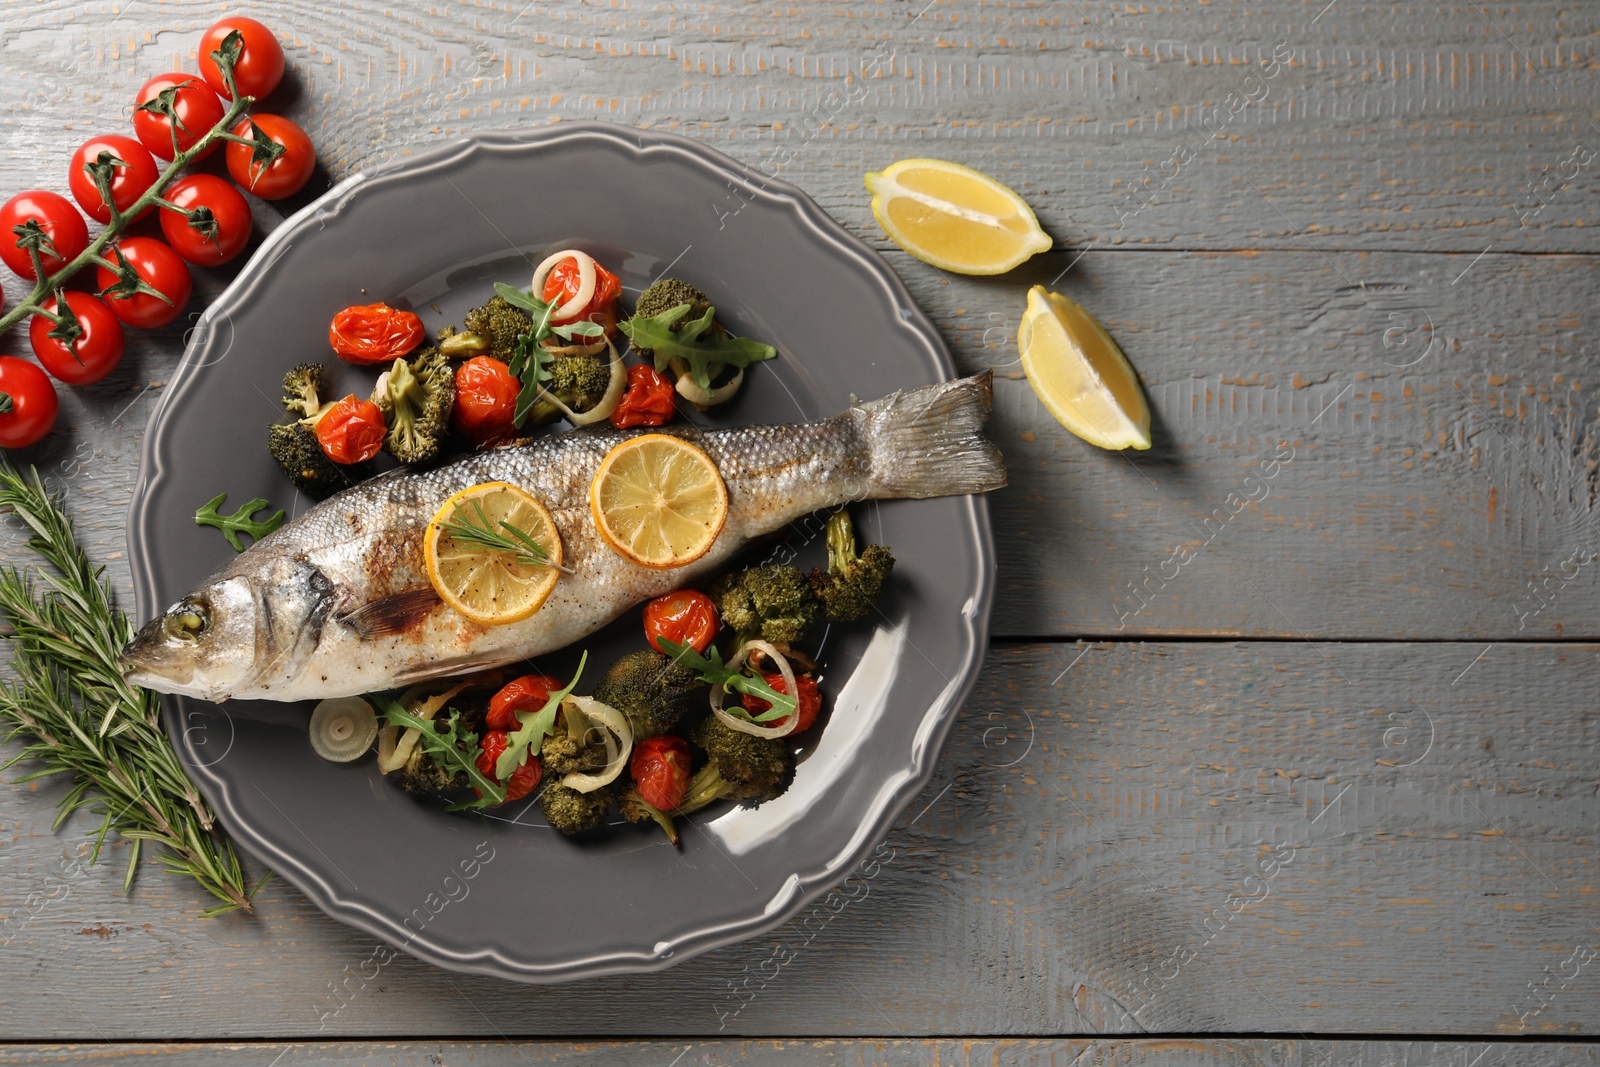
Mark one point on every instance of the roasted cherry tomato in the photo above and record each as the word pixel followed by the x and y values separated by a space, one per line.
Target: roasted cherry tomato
pixel 96 351
pixel 374 333
pixel 158 267
pixel 684 617
pixel 524 780
pixel 258 66
pixel 218 225
pixel 129 180
pixel 191 100
pixel 529 693
pixel 486 401
pixel 660 768
pixel 27 403
pixel 809 704
pixel 65 228
pixel 271 179
pixel 565 281
pixel 352 430
pixel 649 401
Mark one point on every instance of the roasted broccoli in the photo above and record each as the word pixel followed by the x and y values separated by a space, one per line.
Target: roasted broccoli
pixel 304 388
pixel 300 454
pixel 666 294
pixel 739 766
pixel 579 381
pixel 415 396
pixel 650 689
pixel 572 748
pixel 492 330
pixel 850 586
pixel 773 602
pixel 424 775
pixel 573 812
pixel 636 810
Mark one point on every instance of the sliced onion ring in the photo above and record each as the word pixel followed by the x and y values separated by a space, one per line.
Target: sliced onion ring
pixel 619 742
pixel 343 728
pixel 690 390
pixel 577 350
pixel 617 386
pixel 427 708
pixel 745 726
pixel 586 283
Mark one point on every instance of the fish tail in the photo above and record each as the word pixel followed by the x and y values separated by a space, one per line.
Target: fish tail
pixel 927 442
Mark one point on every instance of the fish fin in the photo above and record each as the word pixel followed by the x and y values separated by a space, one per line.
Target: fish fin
pixel 391 615
pixel 443 668
pixel 926 442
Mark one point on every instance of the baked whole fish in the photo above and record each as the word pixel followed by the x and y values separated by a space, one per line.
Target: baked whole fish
pixel 338 601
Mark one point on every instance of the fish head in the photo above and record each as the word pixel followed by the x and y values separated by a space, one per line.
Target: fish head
pixel 233 636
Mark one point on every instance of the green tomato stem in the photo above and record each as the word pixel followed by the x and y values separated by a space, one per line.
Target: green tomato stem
pixel 5 403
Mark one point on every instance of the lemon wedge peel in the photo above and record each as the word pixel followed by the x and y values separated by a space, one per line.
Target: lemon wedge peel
pixel 486 585
pixel 1080 375
pixel 962 220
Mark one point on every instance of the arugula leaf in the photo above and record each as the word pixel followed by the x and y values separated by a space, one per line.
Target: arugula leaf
pixel 451 747
pixel 530 365
pixel 713 671
pixel 239 522
pixel 655 332
pixel 531 733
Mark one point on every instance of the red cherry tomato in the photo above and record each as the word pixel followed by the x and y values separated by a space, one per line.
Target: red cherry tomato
pixel 649 401
pixel 277 178
pixel 93 355
pixel 220 224
pixel 684 617
pixel 197 109
pixel 68 233
pixel 128 181
pixel 486 401
pixel 660 768
pixel 257 68
pixel 529 693
pixel 565 281
pixel 352 430
pixel 27 403
pixel 810 702
pixel 374 333
pixel 524 780
pixel 161 269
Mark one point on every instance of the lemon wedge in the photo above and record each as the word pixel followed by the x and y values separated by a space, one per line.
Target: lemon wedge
pixel 658 500
pixel 1079 373
pixel 491 586
pixel 954 217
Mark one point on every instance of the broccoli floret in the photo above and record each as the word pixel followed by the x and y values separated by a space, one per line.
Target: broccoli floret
pixel 423 775
pixel 492 330
pixel 303 390
pixel 571 749
pixel 579 381
pixel 773 602
pixel 573 812
pixel 850 586
pixel 739 766
pixel 415 398
pixel 636 810
pixel 650 689
pixel 666 294
pixel 300 455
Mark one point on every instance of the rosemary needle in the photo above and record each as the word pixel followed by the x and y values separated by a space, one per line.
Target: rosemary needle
pixel 523 548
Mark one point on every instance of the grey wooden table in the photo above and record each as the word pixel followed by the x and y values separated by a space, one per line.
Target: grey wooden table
pixel 1286 750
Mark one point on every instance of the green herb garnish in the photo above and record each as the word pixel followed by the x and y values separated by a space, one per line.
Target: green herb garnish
pixel 453 746
pixel 656 333
pixel 533 729
pixel 713 671
pixel 530 365
pixel 239 522
pixel 523 548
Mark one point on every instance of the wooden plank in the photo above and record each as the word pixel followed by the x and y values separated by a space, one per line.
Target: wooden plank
pixel 969 1052
pixel 1175 838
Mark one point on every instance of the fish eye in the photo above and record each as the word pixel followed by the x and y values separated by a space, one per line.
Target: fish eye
pixel 188 620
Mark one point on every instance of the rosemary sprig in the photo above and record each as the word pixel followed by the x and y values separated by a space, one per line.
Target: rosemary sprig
pixel 523 549
pixel 75 714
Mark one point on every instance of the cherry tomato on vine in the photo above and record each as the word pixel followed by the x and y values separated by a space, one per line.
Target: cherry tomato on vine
pixel 808 705
pixel 221 224
pixel 68 234
pixel 660 768
pixel 524 780
pixel 352 430
pixel 486 401
pixel 191 100
pixel 258 66
pixel 684 617
pixel 158 267
pixel 28 403
pixel 129 181
pixel 96 351
pixel 565 281
pixel 271 179
pixel 649 401
pixel 374 333
pixel 530 693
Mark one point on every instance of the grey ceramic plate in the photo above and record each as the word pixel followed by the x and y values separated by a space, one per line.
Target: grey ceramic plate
pixel 475 893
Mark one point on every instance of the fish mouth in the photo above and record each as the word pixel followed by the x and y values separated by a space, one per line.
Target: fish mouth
pixel 156 660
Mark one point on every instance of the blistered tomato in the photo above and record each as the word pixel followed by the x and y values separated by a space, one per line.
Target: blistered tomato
pixel 352 430
pixel 649 401
pixel 486 401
